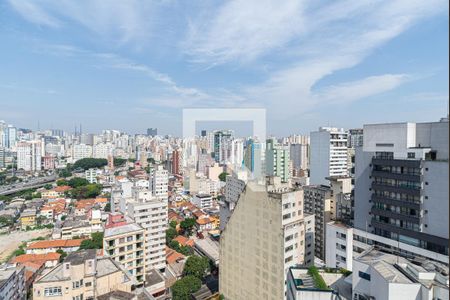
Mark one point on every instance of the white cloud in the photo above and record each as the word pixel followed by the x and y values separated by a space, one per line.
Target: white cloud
pixel 350 91
pixel 121 21
pixel 33 13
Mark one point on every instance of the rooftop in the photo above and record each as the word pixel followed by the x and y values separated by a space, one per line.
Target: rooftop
pixel 123 229
pixel 397 269
pixel 55 244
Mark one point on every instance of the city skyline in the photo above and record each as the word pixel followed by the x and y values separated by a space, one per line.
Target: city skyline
pixel 138 64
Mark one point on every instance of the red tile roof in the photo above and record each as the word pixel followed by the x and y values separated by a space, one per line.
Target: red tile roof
pixel 55 244
pixel 36 258
pixel 173 256
pixel 184 241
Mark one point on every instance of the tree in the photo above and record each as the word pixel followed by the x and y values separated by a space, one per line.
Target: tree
pixel 96 241
pixel 48 186
pixel 88 163
pixel 173 224
pixel 170 234
pixel 196 266
pixel 61 182
pixel 65 173
pixel 86 191
pixel 187 225
pixel 183 288
pixel 108 207
pixel 77 182
pixel 6 220
pixel 119 162
pixel 223 176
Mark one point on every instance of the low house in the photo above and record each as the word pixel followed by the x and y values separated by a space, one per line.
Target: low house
pixel 56 192
pixel 49 259
pixel 43 247
pixel 184 241
pixel 204 224
pixel 27 219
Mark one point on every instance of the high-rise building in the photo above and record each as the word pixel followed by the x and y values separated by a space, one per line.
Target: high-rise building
pixel 12 282
pixel 401 186
pixel 277 160
pixel 29 155
pixel 150 213
pixel 152 132
pixel 158 182
pixel 176 162
pixel 124 243
pixel 254 158
pixel 299 154
pixel 235 184
pixel 237 152
pixel 355 137
pixel 342 200
pixel 328 154
pixel 80 151
pixel 222 145
pixel 263 238
pixel 317 202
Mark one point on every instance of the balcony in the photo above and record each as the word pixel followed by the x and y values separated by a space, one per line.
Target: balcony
pixel 396 202
pixel 399 176
pixel 414 163
pixel 390 188
pixel 395 215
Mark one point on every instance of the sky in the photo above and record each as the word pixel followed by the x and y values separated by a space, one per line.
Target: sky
pixel 130 65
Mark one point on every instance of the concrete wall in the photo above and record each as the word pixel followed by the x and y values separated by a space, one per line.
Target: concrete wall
pixel 437 203
pixel 319 157
pixel 362 185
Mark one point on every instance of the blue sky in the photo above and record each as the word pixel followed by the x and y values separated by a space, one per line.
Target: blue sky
pixel 130 65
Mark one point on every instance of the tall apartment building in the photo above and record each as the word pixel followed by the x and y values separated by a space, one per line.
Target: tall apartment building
pixel 235 184
pixel 80 151
pixel 158 182
pixel 264 236
pixel 401 184
pixel 317 202
pixel 237 152
pixel 83 276
pixel 254 159
pixel 29 155
pixel 222 145
pixel 339 249
pixel 176 161
pixel 277 160
pixel 299 154
pixel 355 137
pixel 328 154
pixel 342 201
pixel 12 282
pixel 124 243
pixel 150 213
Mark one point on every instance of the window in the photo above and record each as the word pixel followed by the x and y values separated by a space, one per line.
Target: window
pixel 53 291
pixel 411 155
pixel 364 275
pixel 88 284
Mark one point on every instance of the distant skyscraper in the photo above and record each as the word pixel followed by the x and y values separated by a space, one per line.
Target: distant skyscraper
pixel 355 137
pixel 299 154
pixel 328 155
pixel 176 161
pixel 222 145
pixel 158 182
pixel 277 160
pixel 203 134
pixel 29 155
pixel 152 131
pixel 254 159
